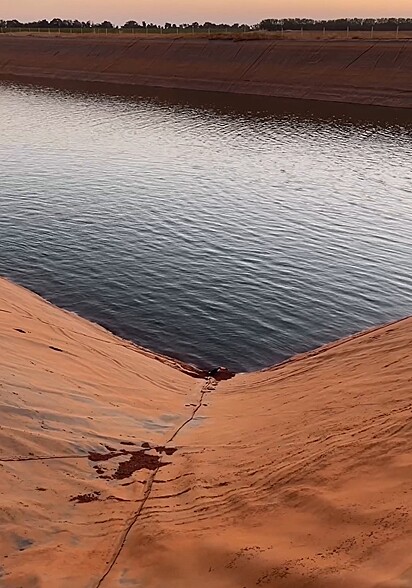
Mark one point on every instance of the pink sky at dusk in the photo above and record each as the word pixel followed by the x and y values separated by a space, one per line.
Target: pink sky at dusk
pixel 230 11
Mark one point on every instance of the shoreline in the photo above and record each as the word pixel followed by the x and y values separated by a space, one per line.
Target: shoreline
pixel 372 73
pixel 224 102
pixel 146 474
pixel 193 370
pixel 182 366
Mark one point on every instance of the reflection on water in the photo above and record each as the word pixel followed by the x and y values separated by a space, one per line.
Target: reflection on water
pixel 217 234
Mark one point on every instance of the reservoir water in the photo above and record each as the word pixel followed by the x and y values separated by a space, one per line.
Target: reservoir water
pixel 217 235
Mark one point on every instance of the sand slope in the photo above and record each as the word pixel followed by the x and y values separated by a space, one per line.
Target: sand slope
pixel 355 71
pixel 71 393
pixel 120 470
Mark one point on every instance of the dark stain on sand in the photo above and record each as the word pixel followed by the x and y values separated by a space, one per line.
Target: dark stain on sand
pixel 23 543
pixel 167 450
pixel 138 460
pixel 83 498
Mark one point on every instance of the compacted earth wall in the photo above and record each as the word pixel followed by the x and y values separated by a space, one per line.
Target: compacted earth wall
pixel 354 71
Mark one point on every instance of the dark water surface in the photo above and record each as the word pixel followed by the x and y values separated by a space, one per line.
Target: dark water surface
pixel 216 235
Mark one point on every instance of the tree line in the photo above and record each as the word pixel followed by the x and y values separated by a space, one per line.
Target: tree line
pixel 339 24
pixel 57 23
pixel 269 24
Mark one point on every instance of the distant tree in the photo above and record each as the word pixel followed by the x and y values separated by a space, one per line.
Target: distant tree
pixel 11 24
pixel 106 24
pixel 270 24
pixel 131 24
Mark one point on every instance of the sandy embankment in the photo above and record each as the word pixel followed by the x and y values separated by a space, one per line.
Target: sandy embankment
pixel 120 470
pixel 353 71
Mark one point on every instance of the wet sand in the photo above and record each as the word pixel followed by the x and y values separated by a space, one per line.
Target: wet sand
pixel 348 71
pixel 123 468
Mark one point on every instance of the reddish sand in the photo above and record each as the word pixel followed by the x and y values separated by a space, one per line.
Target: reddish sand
pixel 355 71
pixel 119 469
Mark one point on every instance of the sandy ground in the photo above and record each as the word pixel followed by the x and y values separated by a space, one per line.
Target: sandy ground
pixel 359 71
pixel 118 469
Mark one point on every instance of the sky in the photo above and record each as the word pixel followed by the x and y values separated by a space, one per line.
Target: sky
pixel 176 11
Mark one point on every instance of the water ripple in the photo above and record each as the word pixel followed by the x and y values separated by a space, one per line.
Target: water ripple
pixel 216 237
